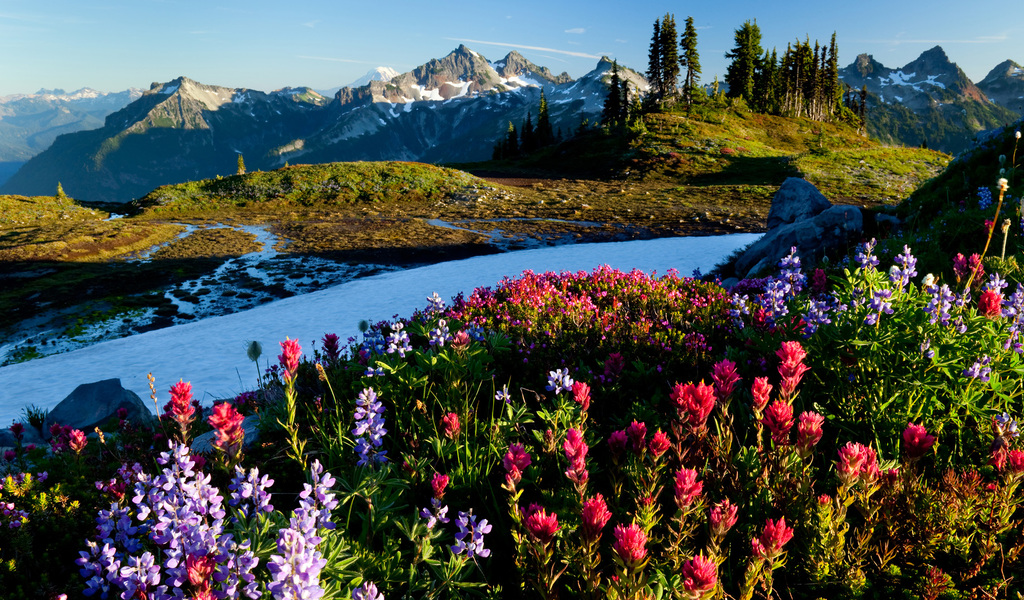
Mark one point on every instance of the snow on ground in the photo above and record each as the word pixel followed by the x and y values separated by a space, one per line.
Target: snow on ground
pixel 211 353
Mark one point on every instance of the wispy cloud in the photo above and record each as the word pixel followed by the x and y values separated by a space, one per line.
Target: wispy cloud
pixel 525 47
pixel 576 30
pixel 334 59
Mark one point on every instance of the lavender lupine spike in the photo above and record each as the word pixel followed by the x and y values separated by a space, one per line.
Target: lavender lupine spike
pixel 774 298
pixel 435 303
pixel 980 369
pixel 817 315
pixel 739 308
pixel 470 537
pixel 904 269
pixel 995 283
pixel 559 381
pixel 398 340
pixel 938 307
pixel 863 255
pixel 879 304
pixel 436 513
pixel 984 198
pixel 790 272
pixel 249 491
pixel 367 591
pixel 369 429
pixel 440 334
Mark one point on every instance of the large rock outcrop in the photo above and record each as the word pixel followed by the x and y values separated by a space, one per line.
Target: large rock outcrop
pixel 800 217
pixel 92 404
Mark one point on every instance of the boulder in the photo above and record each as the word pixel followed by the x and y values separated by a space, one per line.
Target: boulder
pixel 796 200
pixel 92 404
pixel 204 443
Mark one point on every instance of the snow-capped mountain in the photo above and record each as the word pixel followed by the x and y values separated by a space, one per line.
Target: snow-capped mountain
pixel 449 109
pixel 1004 85
pixel 928 101
pixel 378 74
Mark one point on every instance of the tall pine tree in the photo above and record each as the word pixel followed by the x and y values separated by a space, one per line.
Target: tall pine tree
pixel 669 57
pixel 654 62
pixel 739 75
pixel 612 113
pixel 544 134
pixel 690 60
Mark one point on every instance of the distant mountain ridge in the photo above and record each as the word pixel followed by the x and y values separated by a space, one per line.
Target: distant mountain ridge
pixel 928 101
pixel 450 109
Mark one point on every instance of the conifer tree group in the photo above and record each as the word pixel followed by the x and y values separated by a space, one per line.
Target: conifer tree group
pixel 665 61
pixel 529 137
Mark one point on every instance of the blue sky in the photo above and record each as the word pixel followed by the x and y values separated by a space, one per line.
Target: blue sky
pixel 112 45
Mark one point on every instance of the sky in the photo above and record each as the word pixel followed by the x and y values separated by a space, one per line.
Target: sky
pixel 113 45
pixel 211 353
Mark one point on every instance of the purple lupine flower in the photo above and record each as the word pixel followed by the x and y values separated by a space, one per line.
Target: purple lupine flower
pixel 503 395
pixel 863 255
pixel 367 591
pixel 369 429
pixel 559 381
pixel 926 350
pixel 398 340
pixel 879 304
pixel 980 369
pixel 470 537
pixel 435 303
pixel 817 315
pixel 476 333
pixel 995 283
pixel 774 298
pixel 739 308
pixel 938 307
pixel 141 578
pixel 440 334
pixel 249 491
pixel 435 513
pixel 373 343
pixel 904 269
pixel 984 198
pixel 790 272
pixel 374 372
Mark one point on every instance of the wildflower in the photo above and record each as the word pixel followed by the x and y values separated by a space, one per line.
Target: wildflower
pixel 926 349
pixel 990 304
pixel 779 420
pixel 436 513
pixel 291 352
pixel 791 367
pixel 789 271
pixel 636 432
pixel 367 591
pixel 450 425
pixel 541 525
pixel 773 537
pixel 863 256
pixel 630 545
pixel 659 444
pixel 817 315
pixel 559 381
pixel 722 518
pixel 331 350
pixel 979 370
pixel 687 488
pixel 438 484
pixel 581 394
pixel 700 575
pixel 1015 461
pixel 470 537
pixel 440 334
pixel 18 429
pixel 761 391
pixel 435 303
pixel 503 395
pixel 227 423
pixel 617 443
pixel 181 403
pixel 460 340
pixel 904 269
pixel 964 267
pixel 398 340
pixel 916 440
pixel 879 304
pixel 725 378
pixel 199 569
pixel 613 366
pixel 77 442
pixel 808 432
pixel 774 299
pixel 248 488
pixel 694 403
pixel 940 304
pixel 515 462
pixel 576 452
pixel 985 197
pixel 595 517
pixel 857 462
pixel 369 429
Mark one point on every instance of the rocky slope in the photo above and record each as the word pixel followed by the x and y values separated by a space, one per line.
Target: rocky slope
pixel 1004 85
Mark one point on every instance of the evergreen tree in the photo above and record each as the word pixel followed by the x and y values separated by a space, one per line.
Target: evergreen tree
pixel 669 57
pixel 511 149
pixel 528 139
pixel 545 136
pixel 654 62
pixel 766 84
pixel 739 75
pixel 612 113
pixel 690 60
pixel 241 165
pixel 624 96
pixel 832 89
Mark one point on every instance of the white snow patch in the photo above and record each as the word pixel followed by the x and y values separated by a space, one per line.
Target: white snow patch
pixel 170 89
pixel 210 352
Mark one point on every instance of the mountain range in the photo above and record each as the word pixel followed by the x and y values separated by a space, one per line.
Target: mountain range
pixel 451 109
pixel 930 101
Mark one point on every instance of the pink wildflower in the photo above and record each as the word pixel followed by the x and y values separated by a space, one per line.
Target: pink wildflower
pixel 77 441
pixel 990 304
pixel 291 352
pixel 791 367
pixel 613 366
pixel 694 403
pixel 576 452
pixel 725 378
pixel 541 525
pixel 438 484
pixel 808 432
pixel 450 425
pixel 10 455
pixel 181 403
pixel 595 517
pixel 18 429
pixel 199 570
pixel 773 537
pixel 617 443
pixel 630 545
pixel 687 488
pixel 779 420
pixel 659 444
pixel 700 575
pixel 1015 461
pixel 227 422
pixel 515 462
pixel 723 517
pixel 761 391
pixel 637 435
pixel 331 350
pixel 581 394
pixel 916 440
pixel 857 462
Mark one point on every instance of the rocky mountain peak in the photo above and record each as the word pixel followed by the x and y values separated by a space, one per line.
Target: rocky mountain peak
pixel 866 65
pixel 1004 85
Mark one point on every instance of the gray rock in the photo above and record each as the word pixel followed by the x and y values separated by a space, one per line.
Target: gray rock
pixel 204 443
pixel 831 229
pixel 93 404
pixel 30 436
pixel 797 199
